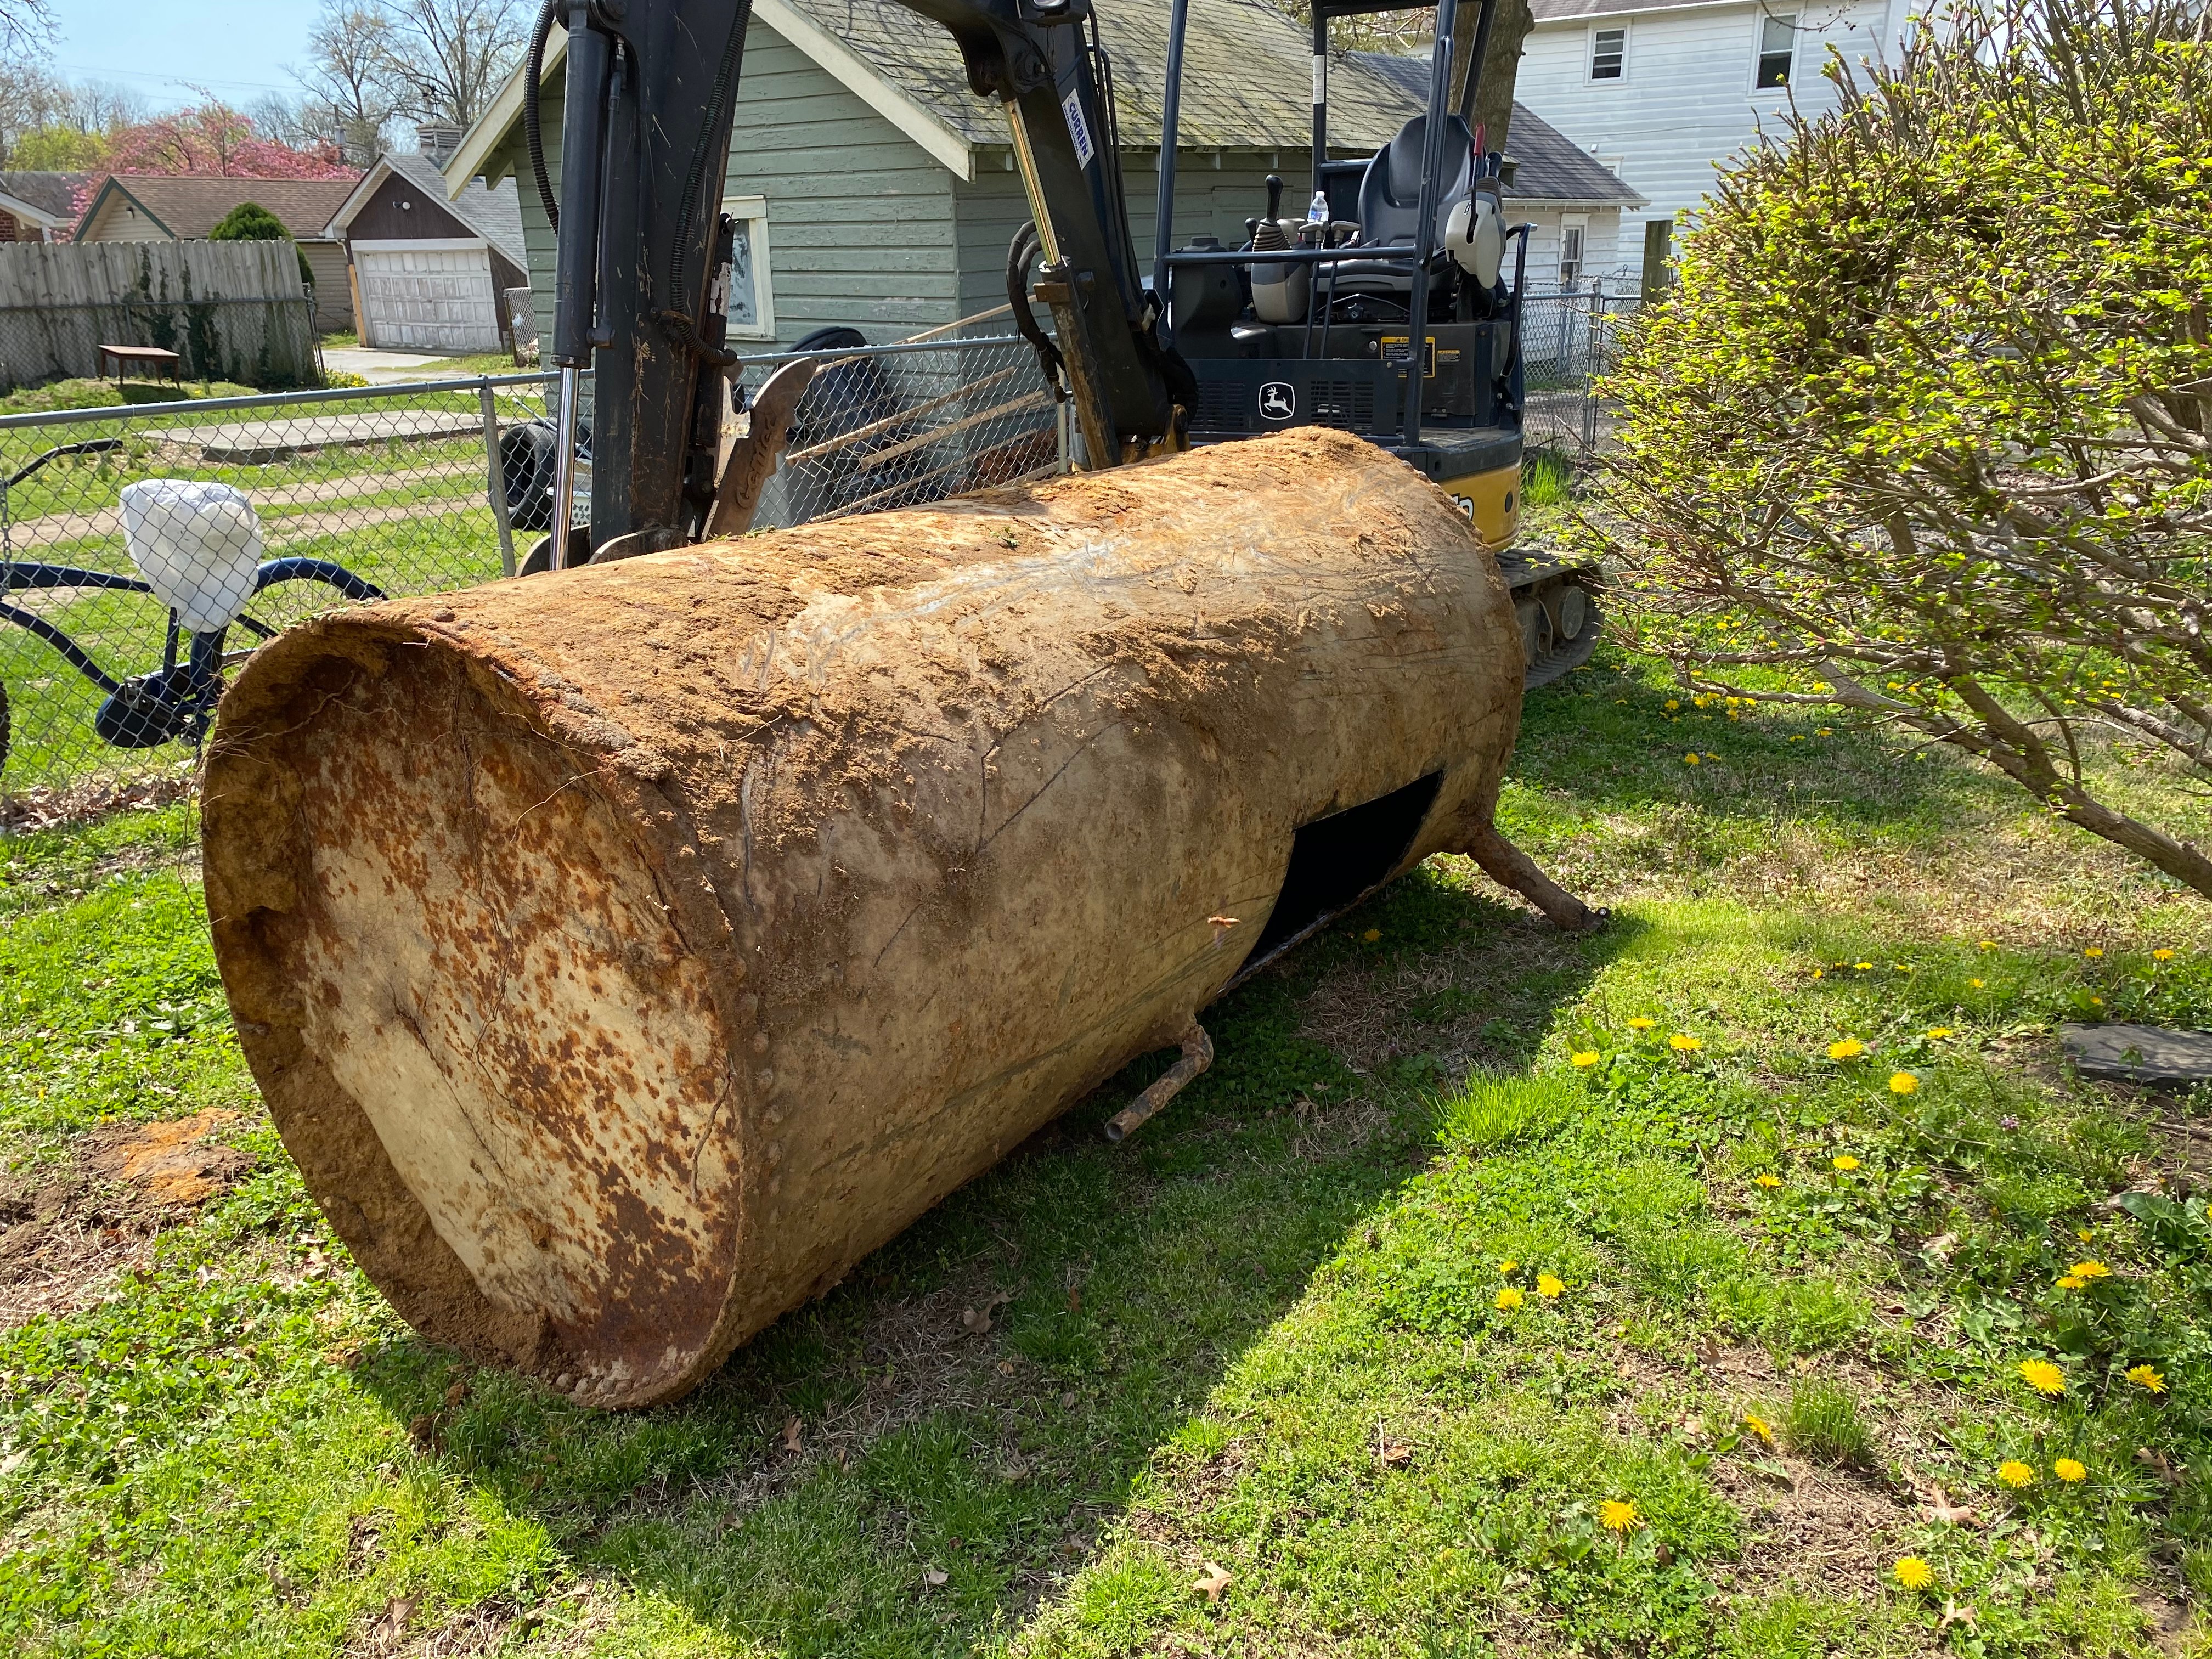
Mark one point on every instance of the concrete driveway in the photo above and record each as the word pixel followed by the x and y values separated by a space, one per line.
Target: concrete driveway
pixel 392 367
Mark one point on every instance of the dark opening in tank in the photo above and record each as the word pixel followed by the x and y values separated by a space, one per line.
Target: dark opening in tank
pixel 1338 861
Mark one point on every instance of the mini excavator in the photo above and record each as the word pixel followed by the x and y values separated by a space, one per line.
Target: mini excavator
pixel 1310 323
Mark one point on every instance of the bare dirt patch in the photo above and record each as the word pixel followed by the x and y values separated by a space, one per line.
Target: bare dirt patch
pixel 100 1216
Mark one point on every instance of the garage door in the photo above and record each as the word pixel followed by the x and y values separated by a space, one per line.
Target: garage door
pixel 426 296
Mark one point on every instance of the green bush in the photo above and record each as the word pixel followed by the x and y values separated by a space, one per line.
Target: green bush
pixel 250 222
pixel 1922 424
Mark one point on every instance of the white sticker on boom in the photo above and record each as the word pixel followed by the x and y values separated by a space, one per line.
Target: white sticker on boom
pixel 1077 128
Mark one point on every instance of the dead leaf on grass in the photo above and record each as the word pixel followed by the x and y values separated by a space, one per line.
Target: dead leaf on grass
pixel 1214 1580
pixel 936 1577
pixel 791 1435
pixel 978 1320
pixel 384 1635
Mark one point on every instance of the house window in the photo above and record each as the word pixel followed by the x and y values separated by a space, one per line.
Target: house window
pixel 1571 251
pixel 1778 44
pixel 1608 54
pixel 751 305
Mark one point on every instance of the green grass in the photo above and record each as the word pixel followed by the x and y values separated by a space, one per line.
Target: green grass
pixel 86 393
pixel 1772 1303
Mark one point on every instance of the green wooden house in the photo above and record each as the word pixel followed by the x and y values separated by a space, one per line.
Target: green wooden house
pixel 875 189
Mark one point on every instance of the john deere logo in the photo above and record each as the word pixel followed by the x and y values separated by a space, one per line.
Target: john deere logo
pixel 1277 401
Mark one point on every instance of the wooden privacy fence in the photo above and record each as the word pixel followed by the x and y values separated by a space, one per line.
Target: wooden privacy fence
pixel 231 311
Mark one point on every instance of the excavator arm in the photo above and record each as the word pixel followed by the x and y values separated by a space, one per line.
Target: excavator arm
pixel 644 254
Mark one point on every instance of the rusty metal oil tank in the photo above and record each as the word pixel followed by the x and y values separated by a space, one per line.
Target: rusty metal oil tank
pixel 624 954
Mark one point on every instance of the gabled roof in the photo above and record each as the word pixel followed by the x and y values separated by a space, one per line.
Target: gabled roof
pixel 187 209
pixel 45 198
pixel 492 212
pixel 1548 165
pixel 1247 80
pixel 1247 74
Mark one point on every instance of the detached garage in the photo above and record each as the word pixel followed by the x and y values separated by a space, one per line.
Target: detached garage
pixel 428 271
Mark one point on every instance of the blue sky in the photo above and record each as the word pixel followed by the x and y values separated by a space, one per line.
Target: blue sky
pixel 237 49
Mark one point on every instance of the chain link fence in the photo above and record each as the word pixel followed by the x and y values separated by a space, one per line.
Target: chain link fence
pixel 899 425
pixel 145 548
pixel 1568 339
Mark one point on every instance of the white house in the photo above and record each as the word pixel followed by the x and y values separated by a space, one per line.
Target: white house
pixel 1573 203
pixel 1664 91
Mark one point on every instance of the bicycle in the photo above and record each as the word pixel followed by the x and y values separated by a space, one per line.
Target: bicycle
pixel 197 548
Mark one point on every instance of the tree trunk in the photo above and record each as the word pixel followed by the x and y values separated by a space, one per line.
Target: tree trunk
pixel 1493 98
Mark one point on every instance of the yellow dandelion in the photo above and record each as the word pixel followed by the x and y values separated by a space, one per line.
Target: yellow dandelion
pixel 2070 1471
pixel 1845 1162
pixel 2090 1270
pixel 1760 1426
pixel 1848 1048
pixel 2084 1234
pixel 1825 731
pixel 2094 952
pixel 1615 1516
pixel 1903 1083
pixel 2161 955
pixel 1769 1179
pixel 1939 1032
pixel 1640 1023
pixel 1682 1043
pixel 2096 1002
pixel 2042 1377
pixel 1985 944
pixel 1912 1572
pixel 1508 1299
pixel 1690 760
pixel 1976 983
pixel 1673 704
pixel 1508 1266
pixel 1372 934
pixel 1548 1287
pixel 1862 966
pixel 2071 1282
pixel 2146 1377
pixel 2015 1474
pixel 1583 1059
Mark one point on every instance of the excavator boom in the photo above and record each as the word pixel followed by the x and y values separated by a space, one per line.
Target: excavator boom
pixel 643 258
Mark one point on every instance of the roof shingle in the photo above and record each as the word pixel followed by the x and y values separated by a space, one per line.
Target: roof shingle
pixel 191 207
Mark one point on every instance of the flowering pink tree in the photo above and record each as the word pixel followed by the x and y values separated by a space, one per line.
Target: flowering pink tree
pixel 211 140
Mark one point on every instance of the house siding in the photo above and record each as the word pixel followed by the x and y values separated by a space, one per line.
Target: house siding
pixel 1686 103
pixel 1216 191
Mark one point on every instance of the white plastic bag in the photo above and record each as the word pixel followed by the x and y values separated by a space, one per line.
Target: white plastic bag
pixel 197 545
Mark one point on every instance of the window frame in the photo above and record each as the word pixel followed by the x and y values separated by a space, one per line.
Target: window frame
pixel 752 212
pixel 1578 224
pixel 1759 54
pixel 1590 77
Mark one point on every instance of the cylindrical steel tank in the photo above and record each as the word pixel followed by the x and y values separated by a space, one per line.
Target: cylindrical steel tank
pixel 625 954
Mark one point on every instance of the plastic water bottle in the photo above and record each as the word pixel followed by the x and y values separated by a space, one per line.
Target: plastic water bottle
pixel 1317 214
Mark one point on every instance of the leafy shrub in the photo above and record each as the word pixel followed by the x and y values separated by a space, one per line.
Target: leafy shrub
pixel 1924 424
pixel 250 222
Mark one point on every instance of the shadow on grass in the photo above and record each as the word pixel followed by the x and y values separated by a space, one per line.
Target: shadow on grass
pixel 1606 740
pixel 939 1481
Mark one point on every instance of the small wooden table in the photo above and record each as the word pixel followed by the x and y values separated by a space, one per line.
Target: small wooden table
pixel 154 357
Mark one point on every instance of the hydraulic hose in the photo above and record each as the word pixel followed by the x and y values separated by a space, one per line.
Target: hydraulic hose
pixel 1019 253
pixel 533 75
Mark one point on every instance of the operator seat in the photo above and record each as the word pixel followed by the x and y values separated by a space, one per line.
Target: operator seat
pixel 1390 206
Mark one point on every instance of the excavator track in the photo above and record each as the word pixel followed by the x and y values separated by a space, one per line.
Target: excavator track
pixel 1556 602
